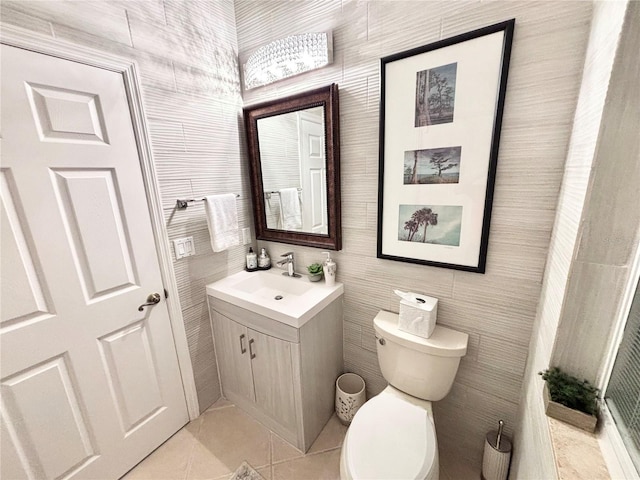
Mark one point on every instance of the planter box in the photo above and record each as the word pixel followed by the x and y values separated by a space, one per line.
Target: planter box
pixel 565 414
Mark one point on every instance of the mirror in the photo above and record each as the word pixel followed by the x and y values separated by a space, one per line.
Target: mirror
pixel 295 168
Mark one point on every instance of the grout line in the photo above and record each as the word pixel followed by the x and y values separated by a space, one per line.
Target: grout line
pixel 228 403
pixel 192 451
pixel 126 16
pixel 323 451
pixel 271 449
pixel 211 409
pixel 305 455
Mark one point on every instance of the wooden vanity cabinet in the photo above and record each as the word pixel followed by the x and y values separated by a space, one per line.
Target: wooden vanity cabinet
pixel 281 375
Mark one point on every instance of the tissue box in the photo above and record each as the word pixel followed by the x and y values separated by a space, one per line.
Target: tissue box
pixel 418 314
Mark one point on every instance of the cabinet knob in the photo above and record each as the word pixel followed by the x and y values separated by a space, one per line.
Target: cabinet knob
pixel 251 354
pixel 242 348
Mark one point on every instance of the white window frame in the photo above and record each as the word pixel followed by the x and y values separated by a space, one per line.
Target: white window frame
pixel 613 449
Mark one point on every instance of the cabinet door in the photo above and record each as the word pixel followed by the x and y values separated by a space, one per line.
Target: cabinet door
pixel 232 347
pixel 273 378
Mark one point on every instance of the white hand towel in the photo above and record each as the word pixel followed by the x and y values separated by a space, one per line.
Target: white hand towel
pixel 290 214
pixel 222 219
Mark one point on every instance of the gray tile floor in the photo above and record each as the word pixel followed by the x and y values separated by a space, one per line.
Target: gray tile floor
pixel 214 445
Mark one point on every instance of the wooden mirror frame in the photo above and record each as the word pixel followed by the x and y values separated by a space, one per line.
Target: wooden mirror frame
pixel 326 97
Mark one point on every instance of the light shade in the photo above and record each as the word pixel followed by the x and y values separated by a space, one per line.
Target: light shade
pixel 287 57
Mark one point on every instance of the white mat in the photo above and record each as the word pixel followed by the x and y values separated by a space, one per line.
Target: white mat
pixel 246 472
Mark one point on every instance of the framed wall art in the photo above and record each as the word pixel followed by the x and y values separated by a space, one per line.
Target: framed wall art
pixel 440 120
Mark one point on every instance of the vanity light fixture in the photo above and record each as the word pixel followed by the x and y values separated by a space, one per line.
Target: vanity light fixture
pixel 287 57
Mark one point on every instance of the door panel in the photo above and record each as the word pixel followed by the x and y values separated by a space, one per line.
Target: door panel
pixel 63 115
pixel 92 385
pixel 313 172
pixel 232 348
pixel 318 212
pixel 11 467
pixel 24 297
pixel 273 378
pixel 84 196
pixel 38 432
pixel 135 391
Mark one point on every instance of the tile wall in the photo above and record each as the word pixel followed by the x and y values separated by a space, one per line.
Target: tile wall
pixel 609 230
pixel 497 309
pixel 533 429
pixel 187 54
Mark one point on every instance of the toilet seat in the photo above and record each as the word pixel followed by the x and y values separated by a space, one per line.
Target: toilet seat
pixel 391 438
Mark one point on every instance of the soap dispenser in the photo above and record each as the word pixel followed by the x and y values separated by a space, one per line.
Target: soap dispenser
pixel 252 261
pixel 329 269
pixel 264 261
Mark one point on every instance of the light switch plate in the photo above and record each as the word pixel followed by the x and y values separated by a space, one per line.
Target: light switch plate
pixel 246 236
pixel 184 247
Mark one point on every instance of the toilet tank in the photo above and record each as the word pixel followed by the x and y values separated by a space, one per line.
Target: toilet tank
pixel 422 367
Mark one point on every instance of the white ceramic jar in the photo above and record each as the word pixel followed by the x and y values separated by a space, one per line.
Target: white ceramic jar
pixel 350 396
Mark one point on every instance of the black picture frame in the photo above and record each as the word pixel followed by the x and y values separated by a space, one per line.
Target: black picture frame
pixel 441 108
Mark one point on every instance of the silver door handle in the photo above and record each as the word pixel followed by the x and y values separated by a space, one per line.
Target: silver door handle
pixel 251 354
pixel 152 299
pixel 242 349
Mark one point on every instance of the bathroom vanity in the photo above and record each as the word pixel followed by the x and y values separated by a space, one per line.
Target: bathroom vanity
pixel 280 371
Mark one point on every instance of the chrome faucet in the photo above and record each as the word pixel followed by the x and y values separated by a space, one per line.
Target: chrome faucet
pixel 288 263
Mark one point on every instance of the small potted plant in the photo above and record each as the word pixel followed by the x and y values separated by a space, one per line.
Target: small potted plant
pixel 570 400
pixel 315 272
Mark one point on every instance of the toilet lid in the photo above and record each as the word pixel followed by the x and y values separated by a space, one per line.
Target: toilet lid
pixel 390 438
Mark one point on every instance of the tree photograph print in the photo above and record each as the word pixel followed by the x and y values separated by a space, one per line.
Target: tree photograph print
pixel 437 100
pixel 435 95
pixel 432 166
pixel 435 224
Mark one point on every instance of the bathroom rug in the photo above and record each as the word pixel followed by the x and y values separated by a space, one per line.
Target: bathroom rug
pixel 246 472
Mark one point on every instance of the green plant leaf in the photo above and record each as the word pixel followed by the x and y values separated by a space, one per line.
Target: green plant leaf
pixel 571 391
pixel 314 268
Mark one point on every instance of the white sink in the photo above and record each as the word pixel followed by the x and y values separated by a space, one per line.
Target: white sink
pixel 293 301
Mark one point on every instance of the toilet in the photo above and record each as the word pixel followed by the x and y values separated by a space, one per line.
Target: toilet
pixel 393 435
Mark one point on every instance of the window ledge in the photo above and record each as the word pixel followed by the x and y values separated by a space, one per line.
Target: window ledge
pixel 577 453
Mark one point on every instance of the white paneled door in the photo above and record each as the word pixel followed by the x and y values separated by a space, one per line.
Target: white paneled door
pixel 90 384
pixel 313 171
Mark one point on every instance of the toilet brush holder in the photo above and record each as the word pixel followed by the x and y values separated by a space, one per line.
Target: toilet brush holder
pixel 497 455
pixel 350 396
